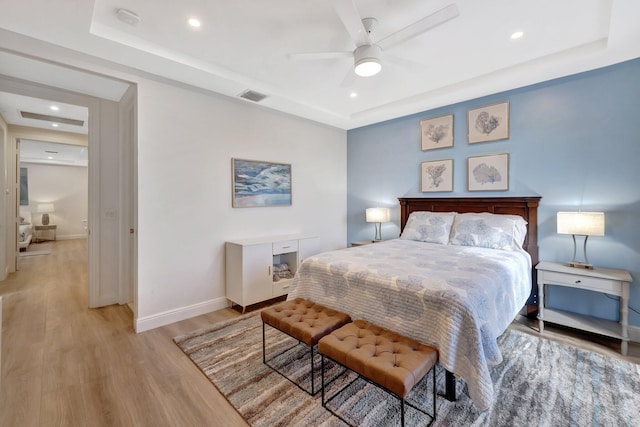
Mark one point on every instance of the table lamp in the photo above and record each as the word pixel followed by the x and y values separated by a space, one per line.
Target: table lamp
pixel 45 209
pixel 378 216
pixel 582 224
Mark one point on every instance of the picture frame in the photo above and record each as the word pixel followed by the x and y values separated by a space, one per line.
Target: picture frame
pixel 488 173
pixel 260 184
pixel 488 123
pixel 436 132
pixel 436 176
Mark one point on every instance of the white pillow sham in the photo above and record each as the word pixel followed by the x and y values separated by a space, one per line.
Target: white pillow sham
pixel 489 230
pixel 431 227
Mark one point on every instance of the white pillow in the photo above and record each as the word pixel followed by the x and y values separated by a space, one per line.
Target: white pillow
pixel 431 227
pixel 25 217
pixel 489 230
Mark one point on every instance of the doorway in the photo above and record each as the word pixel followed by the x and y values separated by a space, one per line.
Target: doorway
pixel 109 219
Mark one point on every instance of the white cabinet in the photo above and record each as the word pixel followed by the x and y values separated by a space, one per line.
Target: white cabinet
pixel 252 266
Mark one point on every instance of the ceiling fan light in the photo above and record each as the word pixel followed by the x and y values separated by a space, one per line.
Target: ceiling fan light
pixel 367 60
pixel 368 67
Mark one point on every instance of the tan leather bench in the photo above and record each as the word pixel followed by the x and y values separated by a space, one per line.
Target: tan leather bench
pixel 305 321
pixel 391 361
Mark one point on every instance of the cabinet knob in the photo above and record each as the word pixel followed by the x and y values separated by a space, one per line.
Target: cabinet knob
pixel 578 281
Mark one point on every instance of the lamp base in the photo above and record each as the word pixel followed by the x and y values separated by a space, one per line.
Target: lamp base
pixel 576 264
pixel 45 219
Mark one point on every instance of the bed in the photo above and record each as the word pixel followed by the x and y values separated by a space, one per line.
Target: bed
pixel 457 297
pixel 25 230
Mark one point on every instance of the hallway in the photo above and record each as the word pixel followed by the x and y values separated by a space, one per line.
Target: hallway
pixel 64 364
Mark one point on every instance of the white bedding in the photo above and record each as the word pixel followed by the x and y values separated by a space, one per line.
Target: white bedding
pixel 458 299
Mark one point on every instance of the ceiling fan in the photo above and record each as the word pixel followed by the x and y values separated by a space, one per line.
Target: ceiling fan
pixel 367 56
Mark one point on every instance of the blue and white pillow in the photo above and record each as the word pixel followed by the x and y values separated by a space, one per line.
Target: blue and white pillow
pixel 489 230
pixel 431 227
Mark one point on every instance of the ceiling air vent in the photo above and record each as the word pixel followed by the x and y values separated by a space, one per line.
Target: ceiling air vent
pixel 54 119
pixel 252 95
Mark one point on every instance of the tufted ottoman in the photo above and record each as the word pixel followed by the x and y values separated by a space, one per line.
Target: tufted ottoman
pixel 382 357
pixel 305 321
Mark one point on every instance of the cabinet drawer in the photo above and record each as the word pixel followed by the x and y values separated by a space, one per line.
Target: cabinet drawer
pixel 584 282
pixel 282 287
pixel 285 246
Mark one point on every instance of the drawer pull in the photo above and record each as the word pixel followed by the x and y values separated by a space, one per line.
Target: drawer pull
pixel 286 247
pixel 578 281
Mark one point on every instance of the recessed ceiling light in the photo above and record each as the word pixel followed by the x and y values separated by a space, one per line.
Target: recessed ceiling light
pixel 353 94
pixel 195 23
pixel 516 35
pixel 50 157
pixel 54 108
pixel 55 125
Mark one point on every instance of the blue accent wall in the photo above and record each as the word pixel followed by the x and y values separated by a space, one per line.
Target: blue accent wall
pixel 575 141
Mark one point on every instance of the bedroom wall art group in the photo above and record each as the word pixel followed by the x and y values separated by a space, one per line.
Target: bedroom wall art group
pixel 488 172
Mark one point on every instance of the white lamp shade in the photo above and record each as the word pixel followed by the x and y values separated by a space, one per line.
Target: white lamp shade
pixel 581 223
pixel 377 214
pixel 46 208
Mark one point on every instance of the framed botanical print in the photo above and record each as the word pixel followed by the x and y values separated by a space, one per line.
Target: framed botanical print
pixel 437 132
pixel 490 123
pixel 437 175
pixel 488 173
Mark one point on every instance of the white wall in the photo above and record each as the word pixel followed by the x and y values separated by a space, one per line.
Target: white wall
pixel 66 188
pixel 185 144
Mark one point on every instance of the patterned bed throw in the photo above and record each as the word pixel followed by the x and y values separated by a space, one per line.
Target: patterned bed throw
pixel 458 299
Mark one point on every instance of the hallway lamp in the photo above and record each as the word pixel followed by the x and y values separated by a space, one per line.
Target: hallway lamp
pixel 582 224
pixel 45 209
pixel 378 216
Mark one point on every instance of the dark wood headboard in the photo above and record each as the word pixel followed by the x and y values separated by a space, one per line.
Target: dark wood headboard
pixel 526 207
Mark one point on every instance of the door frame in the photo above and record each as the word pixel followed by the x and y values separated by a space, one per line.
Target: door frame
pixel 36 90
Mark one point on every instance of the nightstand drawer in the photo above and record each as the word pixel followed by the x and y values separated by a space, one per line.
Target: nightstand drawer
pixel 583 282
pixel 285 247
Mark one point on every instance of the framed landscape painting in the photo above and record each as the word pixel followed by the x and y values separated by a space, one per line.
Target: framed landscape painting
pixel 259 184
pixel 490 123
pixel 437 175
pixel 488 173
pixel 437 132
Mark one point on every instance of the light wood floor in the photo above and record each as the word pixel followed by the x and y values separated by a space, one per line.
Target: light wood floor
pixel 66 365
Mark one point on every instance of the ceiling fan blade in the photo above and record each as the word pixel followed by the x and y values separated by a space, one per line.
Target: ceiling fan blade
pixel 304 56
pixel 349 78
pixel 404 62
pixel 350 17
pixel 439 17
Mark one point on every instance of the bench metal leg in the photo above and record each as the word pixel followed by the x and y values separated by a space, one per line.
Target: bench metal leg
pixel 450 386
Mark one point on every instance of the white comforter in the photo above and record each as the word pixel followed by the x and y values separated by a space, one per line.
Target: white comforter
pixel 458 299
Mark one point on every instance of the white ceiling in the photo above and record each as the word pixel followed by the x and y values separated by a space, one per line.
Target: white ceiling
pixel 245 44
pixel 52 153
pixel 11 106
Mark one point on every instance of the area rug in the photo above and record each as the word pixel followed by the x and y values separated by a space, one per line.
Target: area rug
pixel 38 249
pixel 539 383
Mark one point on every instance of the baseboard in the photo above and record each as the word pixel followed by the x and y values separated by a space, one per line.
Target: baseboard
pixel 634 333
pixel 146 323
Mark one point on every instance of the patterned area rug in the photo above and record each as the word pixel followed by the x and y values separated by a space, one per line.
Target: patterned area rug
pixel 539 383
